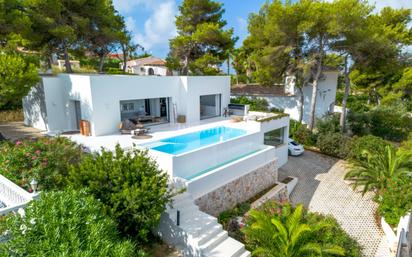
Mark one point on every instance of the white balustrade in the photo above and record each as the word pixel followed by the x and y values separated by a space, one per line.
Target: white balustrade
pixel 13 196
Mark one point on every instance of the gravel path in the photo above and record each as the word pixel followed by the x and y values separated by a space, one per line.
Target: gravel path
pixel 321 188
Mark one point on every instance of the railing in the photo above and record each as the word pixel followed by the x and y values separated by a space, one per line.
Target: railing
pixel 13 196
pixel 403 236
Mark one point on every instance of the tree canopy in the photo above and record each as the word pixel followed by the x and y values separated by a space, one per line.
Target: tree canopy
pixel 203 43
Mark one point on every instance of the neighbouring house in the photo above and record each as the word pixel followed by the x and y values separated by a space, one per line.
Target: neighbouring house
pixel 287 97
pixel 148 66
pixel 221 161
pixel 61 64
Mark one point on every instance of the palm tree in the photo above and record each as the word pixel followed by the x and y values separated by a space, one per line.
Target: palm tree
pixel 375 171
pixel 286 235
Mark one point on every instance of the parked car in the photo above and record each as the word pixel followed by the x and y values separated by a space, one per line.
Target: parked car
pixel 295 148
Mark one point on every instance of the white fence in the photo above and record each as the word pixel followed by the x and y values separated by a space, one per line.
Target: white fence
pixel 13 196
pixel 400 243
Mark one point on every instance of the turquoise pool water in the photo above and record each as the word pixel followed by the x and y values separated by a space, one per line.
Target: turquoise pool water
pixel 191 141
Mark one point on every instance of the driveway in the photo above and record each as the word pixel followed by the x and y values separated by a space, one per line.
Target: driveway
pixel 321 188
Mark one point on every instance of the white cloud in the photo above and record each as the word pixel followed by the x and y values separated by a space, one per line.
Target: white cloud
pixel 159 27
pixel 380 4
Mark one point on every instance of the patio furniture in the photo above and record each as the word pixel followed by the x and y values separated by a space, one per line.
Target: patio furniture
pixel 141 131
pixel 127 126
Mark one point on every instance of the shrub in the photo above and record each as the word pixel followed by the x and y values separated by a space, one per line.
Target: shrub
pixel 11 115
pixel 373 144
pixel 390 122
pixel 276 229
pixel 359 123
pixel 334 144
pixel 304 136
pixel 256 103
pixel 376 171
pixel 395 201
pixel 328 124
pixel 65 223
pixel 45 159
pixel 294 126
pixel 130 184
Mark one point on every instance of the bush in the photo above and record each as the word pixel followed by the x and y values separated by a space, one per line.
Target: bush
pixel 304 136
pixel 328 124
pixel 390 122
pixel 359 123
pixel 334 144
pixel 371 143
pixel 45 159
pixel 11 115
pixel 256 103
pixel 65 223
pixel 300 228
pixel 130 184
pixel 396 201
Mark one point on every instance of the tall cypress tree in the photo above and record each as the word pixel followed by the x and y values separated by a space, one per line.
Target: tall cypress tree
pixel 203 43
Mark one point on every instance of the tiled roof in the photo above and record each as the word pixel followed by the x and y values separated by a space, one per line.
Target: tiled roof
pixel 153 61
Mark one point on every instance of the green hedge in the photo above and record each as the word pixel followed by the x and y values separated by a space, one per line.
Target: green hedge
pixel 65 223
pixel 129 184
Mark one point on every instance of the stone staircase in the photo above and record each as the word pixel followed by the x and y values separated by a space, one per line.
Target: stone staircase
pixel 200 234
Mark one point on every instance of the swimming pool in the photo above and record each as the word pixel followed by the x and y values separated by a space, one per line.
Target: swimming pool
pixel 191 141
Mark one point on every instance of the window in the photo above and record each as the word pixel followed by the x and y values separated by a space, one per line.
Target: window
pixel 127 107
pixel 151 71
pixel 274 137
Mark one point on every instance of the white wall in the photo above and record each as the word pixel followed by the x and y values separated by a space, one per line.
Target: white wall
pixel 100 97
pixel 325 97
pixel 34 108
pixel 158 70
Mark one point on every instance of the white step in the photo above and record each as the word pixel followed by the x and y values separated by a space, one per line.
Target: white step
pixel 214 241
pixel 245 254
pixel 198 223
pixel 228 248
pixel 208 235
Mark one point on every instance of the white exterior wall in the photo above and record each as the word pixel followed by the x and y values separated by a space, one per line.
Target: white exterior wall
pixel 100 97
pixel 325 98
pixel 158 70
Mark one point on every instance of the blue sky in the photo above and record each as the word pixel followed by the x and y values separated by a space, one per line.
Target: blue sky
pixel 152 21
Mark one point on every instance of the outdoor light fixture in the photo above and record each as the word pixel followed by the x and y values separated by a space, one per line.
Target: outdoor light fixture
pixel 33 185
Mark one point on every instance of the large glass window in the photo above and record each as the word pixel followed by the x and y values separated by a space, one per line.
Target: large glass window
pixel 148 111
pixel 274 137
pixel 209 106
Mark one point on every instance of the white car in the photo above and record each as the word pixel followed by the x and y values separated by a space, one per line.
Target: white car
pixel 295 148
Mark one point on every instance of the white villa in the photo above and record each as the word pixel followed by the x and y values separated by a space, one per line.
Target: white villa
pixel 148 66
pixel 221 161
pixel 287 97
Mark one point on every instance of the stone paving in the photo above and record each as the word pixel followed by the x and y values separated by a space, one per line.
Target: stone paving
pixel 17 130
pixel 321 188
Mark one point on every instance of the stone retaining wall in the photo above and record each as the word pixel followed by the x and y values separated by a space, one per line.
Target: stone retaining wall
pixel 239 190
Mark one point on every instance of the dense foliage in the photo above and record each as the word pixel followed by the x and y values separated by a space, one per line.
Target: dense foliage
pixel 17 76
pixel 395 201
pixel 65 223
pixel 256 104
pixel 334 144
pixel 47 160
pixel 129 184
pixel 359 145
pixel 202 43
pixel 281 230
pixel 377 170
